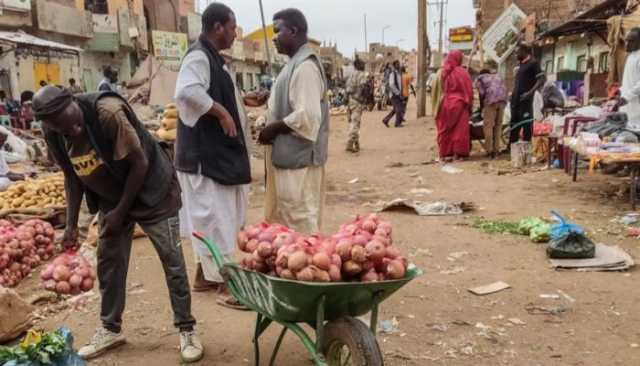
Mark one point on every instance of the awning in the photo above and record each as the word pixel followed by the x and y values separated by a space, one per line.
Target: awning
pixel 592 20
pixel 21 38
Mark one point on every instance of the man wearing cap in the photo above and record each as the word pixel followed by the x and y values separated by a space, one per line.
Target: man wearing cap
pixel 107 156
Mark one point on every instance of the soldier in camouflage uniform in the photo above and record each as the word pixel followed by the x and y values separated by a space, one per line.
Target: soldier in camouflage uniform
pixel 355 87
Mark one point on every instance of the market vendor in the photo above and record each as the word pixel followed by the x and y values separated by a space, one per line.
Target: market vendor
pixel 630 88
pixel 6 177
pixel 297 130
pixel 107 155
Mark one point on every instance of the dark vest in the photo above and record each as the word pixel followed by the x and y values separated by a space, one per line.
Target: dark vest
pixel 160 173
pixel 221 158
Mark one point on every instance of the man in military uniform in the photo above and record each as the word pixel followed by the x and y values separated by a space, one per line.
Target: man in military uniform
pixel 355 88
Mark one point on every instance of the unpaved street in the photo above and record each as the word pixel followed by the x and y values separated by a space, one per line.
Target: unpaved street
pixel 439 322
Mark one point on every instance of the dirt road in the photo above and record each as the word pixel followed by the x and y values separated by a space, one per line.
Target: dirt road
pixel 439 322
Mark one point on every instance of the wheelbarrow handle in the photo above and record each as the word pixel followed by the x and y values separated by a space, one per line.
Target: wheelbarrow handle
pixel 213 248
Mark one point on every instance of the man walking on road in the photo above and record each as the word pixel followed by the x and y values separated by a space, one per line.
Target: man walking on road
pixel 108 156
pixel 528 79
pixel 630 89
pixel 357 102
pixel 395 93
pixel 297 130
pixel 211 151
pixel 493 99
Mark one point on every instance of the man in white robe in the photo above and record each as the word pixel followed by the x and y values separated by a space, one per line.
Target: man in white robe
pixel 630 88
pixel 212 206
pixel 297 117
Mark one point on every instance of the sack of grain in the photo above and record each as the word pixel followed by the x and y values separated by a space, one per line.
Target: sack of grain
pixel 169 123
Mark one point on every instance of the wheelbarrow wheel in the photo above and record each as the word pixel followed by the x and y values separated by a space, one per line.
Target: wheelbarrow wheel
pixel 348 341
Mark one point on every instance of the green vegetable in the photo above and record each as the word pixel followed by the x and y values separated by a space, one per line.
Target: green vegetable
pixel 540 233
pixel 526 225
pixel 50 345
pixel 496 226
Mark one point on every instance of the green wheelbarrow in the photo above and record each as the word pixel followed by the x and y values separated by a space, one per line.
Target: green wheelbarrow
pixel 328 308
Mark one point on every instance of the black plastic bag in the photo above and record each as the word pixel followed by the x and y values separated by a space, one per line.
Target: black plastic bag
pixel 568 241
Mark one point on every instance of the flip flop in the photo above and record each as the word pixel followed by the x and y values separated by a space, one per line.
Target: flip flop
pixel 231 303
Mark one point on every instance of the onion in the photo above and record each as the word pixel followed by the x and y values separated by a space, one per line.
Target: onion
pixel 351 268
pixel 343 249
pixel 385 240
pixel 358 254
pixel 242 240
pixel 47 273
pixel 259 266
pixel 369 276
pixel 368 265
pixel 359 240
pixel 380 232
pixel 63 287
pixel 266 236
pixel 87 284
pixel 386 226
pixel 265 249
pixel 392 252
pixel 297 261
pixel 320 275
pixel 75 280
pixel 334 273
pixel 335 259
pixel 375 250
pixel 328 246
pixel 369 225
pixel 61 273
pixel 82 272
pixel 287 274
pixel 395 270
pixel 305 274
pixel 251 246
pixel 282 260
pixel 322 261
pixel 50 285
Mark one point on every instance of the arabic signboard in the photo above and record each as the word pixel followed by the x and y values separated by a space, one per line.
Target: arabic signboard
pixel 194 26
pixel 461 34
pixel 169 47
pixel 502 37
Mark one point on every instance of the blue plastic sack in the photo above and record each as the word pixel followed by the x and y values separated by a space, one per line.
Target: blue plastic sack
pixel 563 227
pixel 67 358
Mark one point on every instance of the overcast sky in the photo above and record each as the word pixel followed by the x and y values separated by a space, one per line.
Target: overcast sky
pixel 342 21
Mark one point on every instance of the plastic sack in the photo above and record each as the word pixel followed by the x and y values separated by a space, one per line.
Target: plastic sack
pixel 70 273
pixel 30 353
pixel 568 241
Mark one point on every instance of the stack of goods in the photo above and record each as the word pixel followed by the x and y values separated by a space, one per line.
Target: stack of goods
pixel 169 123
pixel 68 274
pixel 362 250
pixel 45 192
pixel 23 248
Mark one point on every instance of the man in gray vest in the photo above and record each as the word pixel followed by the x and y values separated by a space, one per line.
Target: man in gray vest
pixel 297 130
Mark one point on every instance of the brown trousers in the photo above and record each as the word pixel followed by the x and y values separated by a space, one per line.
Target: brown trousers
pixel 492 118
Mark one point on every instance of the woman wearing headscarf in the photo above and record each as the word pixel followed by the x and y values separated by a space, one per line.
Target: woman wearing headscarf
pixel 453 109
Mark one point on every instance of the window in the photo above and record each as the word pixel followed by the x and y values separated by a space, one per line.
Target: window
pixel 96 6
pixel 560 63
pixel 548 67
pixel 581 63
pixel 603 62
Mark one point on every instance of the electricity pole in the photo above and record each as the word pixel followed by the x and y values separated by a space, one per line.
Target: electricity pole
pixel 366 42
pixel 441 26
pixel 422 59
pixel 266 42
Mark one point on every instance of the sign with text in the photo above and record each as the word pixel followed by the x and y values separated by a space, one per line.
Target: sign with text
pixel 461 34
pixel 502 37
pixel 104 23
pixel 169 47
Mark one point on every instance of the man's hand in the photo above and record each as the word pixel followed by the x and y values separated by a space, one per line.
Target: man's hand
pixel 228 126
pixel 70 239
pixel 113 222
pixel 270 132
pixel 256 99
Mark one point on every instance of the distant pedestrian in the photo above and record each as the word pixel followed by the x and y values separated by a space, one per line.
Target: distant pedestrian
pixel 74 88
pixel 110 80
pixel 395 93
pixel 43 83
pixel 529 79
pixel 357 93
pixel 493 99
pixel 454 109
pixel 630 95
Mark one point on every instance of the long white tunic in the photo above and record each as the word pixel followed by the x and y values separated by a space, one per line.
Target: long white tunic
pixel 630 90
pixel 295 197
pixel 214 209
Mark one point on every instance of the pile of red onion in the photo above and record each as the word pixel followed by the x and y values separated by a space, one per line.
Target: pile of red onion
pixel 23 248
pixel 68 274
pixel 362 250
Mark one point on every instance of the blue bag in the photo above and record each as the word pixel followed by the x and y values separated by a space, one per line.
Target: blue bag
pixel 68 357
pixel 563 227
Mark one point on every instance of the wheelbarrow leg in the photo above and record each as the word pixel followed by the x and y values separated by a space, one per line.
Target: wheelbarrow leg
pixel 374 318
pixel 320 322
pixel 272 362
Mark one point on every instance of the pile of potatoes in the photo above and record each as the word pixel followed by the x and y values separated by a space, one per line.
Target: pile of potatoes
pixel 44 192
pixel 169 123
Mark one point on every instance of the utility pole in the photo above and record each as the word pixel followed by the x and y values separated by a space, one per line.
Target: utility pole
pixel 266 41
pixel 422 59
pixel 366 42
pixel 383 29
pixel 441 27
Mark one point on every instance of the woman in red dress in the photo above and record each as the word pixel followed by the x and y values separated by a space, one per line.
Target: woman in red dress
pixel 452 119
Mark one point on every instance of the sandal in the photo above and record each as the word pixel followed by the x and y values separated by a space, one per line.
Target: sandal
pixel 231 302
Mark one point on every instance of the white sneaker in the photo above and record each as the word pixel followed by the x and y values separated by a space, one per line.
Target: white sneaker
pixel 102 341
pixel 191 349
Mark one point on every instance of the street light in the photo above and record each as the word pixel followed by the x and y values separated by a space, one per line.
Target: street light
pixel 383 29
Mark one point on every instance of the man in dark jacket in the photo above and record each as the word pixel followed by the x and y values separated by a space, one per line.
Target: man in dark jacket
pixel 107 156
